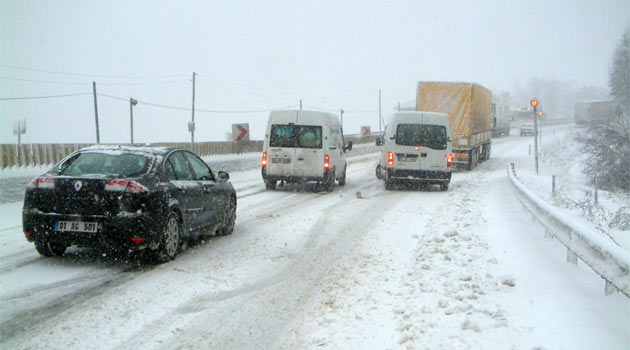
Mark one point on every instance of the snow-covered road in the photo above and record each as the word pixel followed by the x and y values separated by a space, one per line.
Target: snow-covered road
pixel 359 268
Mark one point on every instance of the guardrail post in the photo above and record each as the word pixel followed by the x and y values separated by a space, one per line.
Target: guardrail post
pixel 595 193
pixel 610 288
pixel 571 257
pixel 553 186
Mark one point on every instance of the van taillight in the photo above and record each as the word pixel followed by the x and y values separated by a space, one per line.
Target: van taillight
pixel 326 162
pixel 264 159
pixel 125 186
pixel 449 160
pixel 42 182
pixel 390 158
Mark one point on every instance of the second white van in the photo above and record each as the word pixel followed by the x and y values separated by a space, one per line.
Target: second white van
pixel 302 146
pixel 417 148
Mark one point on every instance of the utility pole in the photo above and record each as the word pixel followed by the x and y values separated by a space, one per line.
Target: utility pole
pixel 380 117
pixel 341 112
pixel 192 126
pixel 398 106
pixel 300 105
pixel 98 139
pixel 132 103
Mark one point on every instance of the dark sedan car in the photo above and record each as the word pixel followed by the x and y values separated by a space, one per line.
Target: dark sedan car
pixel 139 198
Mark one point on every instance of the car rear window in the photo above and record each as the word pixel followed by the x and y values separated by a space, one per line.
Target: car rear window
pixel 119 165
pixel 295 136
pixel 432 136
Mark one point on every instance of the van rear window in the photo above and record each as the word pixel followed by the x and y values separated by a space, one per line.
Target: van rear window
pixel 295 136
pixel 432 136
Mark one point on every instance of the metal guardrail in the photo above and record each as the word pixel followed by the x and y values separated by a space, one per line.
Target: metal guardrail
pixel 609 261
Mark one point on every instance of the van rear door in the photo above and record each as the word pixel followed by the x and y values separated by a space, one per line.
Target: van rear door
pixel 282 146
pixel 309 159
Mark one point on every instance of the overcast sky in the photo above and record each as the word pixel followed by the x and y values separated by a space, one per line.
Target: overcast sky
pixel 268 54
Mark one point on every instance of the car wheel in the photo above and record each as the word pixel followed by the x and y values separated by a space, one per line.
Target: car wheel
pixel 48 248
pixel 342 181
pixel 169 240
pixel 230 219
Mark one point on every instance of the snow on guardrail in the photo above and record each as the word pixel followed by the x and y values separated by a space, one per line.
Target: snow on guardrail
pixel 609 261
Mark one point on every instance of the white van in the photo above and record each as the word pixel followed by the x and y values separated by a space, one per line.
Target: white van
pixel 416 148
pixel 303 146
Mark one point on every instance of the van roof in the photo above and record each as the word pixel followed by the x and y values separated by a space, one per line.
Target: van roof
pixel 303 117
pixel 419 117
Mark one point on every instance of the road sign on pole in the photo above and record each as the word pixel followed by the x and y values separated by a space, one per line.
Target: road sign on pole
pixel 365 131
pixel 240 132
pixel 534 103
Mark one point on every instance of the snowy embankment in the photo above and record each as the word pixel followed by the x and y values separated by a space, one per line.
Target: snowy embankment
pixel 360 267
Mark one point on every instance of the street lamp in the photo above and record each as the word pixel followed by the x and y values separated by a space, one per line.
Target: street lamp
pixel 132 103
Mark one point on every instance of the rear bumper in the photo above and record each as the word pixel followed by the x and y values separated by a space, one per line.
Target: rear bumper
pixel 113 231
pixel 435 177
pixel 294 178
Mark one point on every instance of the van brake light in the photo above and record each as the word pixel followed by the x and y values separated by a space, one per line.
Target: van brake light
pixel 264 159
pixel 449 160
pixel 390 158
pixel 326 162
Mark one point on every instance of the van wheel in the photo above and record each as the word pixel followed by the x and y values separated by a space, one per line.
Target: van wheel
pixel 444 186
pixel 378 172
pixel 48 248
pixel 270 185
pixel 342 180
pixel 389 185
pixel 329 183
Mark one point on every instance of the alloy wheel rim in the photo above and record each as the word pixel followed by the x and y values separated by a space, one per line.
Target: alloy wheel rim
pixel 172 233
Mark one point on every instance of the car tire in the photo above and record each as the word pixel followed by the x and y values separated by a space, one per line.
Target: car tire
pixel 169 239
pixel 48 248
pixel 230 219
pixel 342 180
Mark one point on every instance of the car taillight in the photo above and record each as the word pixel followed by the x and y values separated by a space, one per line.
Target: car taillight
pixel 264 159
pixel 42 182
pixel 326 162
pixel 390 158
pixel 137 240
pixel 449 160
pixel 125 186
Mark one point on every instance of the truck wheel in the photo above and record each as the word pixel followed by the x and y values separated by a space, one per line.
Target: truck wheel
pixel 48 248
pixel 473 158
pixel 169 239
pixel 342 180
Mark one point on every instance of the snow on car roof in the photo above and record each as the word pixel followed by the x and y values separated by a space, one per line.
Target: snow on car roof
pixel 118 149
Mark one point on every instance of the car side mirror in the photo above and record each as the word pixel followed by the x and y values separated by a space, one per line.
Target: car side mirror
pixel 223 176
pixel 379 142
pixel 348 147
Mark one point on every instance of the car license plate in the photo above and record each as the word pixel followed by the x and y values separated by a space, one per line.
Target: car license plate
pixel 407 159
pixel 76 226
pixel 281 160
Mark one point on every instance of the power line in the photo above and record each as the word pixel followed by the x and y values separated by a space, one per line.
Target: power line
pixel 187 108
pixel 90 75
pixel 100 83
pixel 41 97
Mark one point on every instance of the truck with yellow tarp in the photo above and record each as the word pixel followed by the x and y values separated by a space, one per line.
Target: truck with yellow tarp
pixel 469 109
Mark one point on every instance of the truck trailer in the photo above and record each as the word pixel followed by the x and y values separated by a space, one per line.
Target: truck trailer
pixel 594 112
pixel 469 109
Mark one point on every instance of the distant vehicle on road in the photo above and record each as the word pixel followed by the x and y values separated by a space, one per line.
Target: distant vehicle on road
pixel 303 146
pixel 140 198
pixel 594 112
pixel 417 148
pixel 500 119
pixel 527 130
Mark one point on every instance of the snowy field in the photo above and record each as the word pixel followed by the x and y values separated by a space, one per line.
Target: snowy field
pixel 358 268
